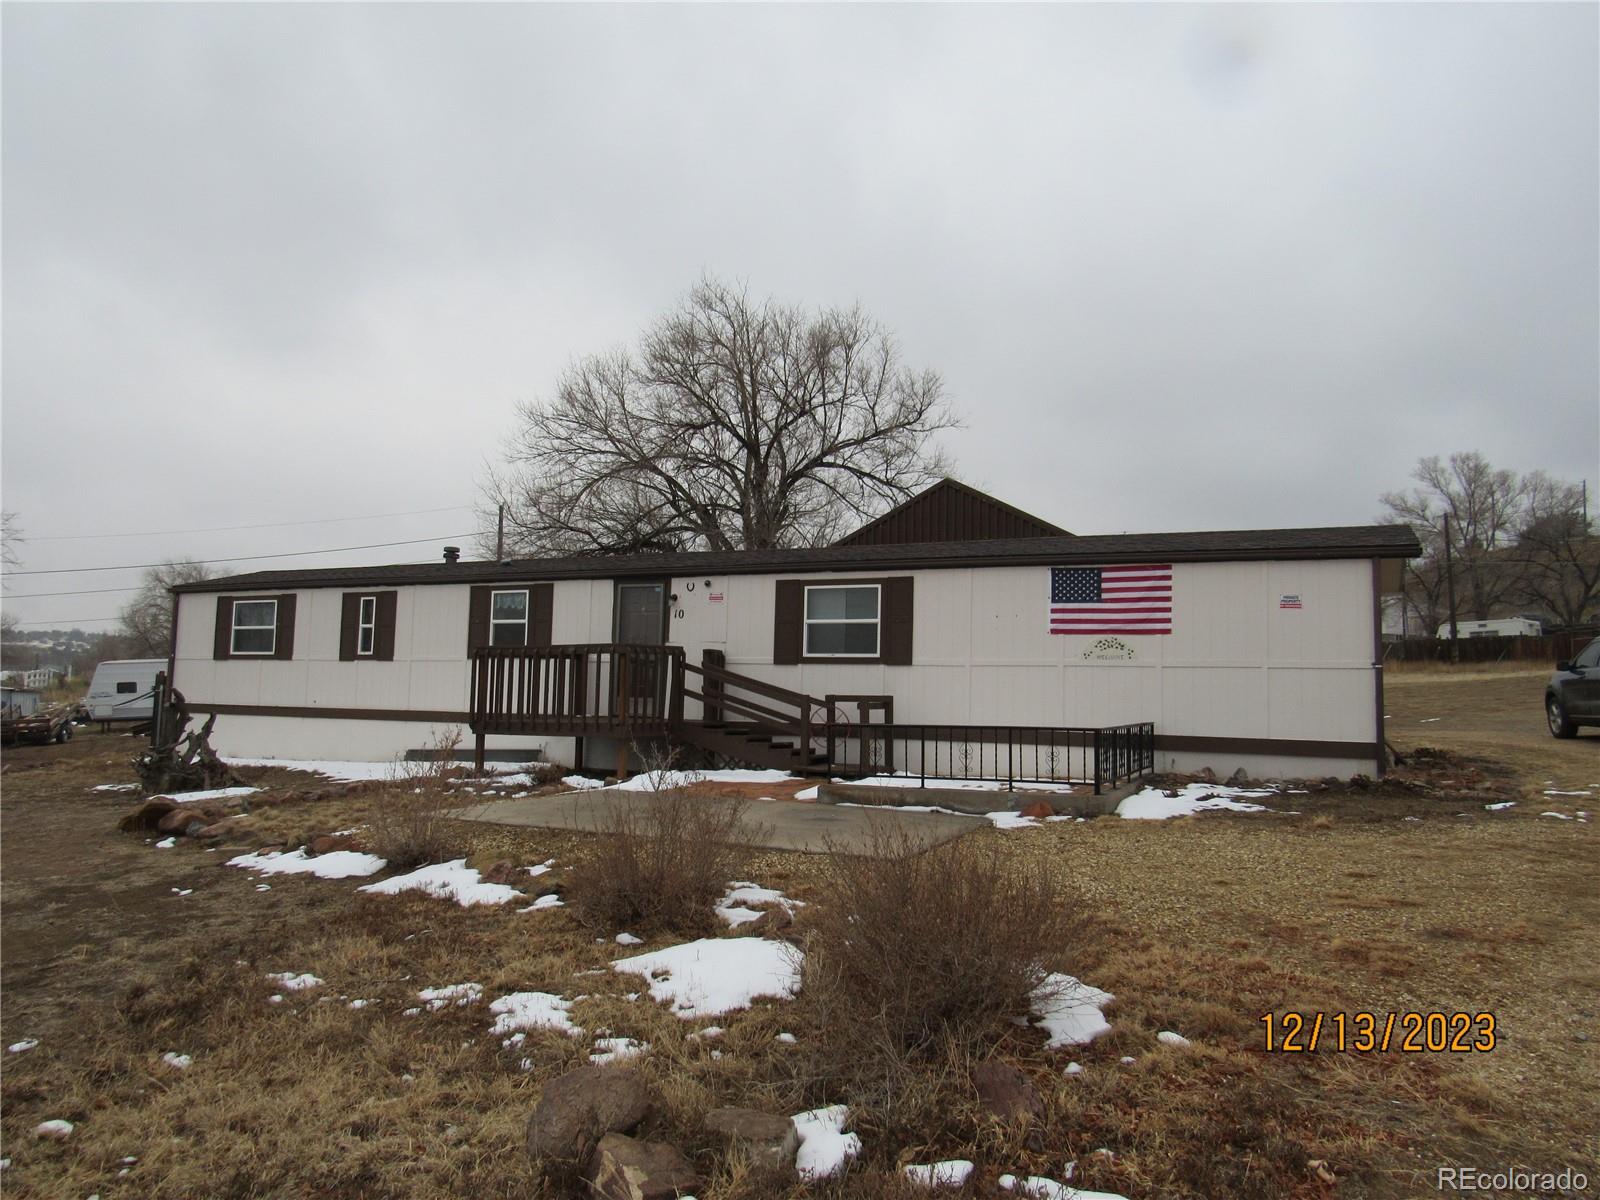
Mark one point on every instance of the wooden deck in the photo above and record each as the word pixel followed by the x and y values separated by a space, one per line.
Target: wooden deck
pixel 628 692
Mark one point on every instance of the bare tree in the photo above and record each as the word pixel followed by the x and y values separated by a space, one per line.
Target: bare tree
pixel 1484 505
pixel 10 538
pixel 732 425
pixel 147 618
pixel 1557 552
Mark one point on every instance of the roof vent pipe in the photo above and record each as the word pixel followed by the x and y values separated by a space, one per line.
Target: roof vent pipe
pixel 452 554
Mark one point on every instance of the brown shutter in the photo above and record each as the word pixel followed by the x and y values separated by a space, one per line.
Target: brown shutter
pixel 788 621
pixel 222 644
pixel 283 644
pixel 896 621
pixel 478 619
pixel 383 635
pixel 541 613
pixel 349 625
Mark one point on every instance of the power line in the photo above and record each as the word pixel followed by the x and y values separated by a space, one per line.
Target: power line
pixel 86 592
pixel 248 557
pixel 68 622
pixel 82 537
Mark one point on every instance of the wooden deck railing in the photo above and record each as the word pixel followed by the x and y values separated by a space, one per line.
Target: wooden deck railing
pixel 576 690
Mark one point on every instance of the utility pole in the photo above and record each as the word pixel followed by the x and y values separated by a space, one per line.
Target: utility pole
pixel 500 537
pixel 1450 592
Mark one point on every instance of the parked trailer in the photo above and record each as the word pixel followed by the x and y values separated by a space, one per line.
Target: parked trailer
pixel 1500 627
pixel 122 689
pixel 23 719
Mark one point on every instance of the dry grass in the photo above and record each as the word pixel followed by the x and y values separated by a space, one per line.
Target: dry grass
pixel 1207 925
pixel 925 958
pixel 661 863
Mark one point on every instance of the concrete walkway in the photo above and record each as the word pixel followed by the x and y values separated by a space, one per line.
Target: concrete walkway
pixel 774 824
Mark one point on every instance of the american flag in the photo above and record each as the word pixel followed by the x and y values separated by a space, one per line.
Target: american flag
pixel 1121 599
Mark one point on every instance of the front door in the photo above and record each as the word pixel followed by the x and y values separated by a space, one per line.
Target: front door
pixel 641 620
pixel 641 610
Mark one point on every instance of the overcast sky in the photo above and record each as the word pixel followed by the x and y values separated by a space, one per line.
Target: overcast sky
pixel 1181 267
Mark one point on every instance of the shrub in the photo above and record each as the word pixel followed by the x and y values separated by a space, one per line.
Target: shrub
pixel 923 953
pixel 661 859
pixel 409 826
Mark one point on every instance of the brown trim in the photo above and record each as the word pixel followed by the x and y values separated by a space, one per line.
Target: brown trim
pixel 332 714
pixel 383 633
pixel 349 625
pixel 172 642
pixel 895 618
pixel 1377 663
pixel 1285 747
pixel 283 635
pixel 222 635
pixel 1345 542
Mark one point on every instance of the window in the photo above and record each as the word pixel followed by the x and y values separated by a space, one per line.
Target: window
pixel 1590 656
pixel 842 622
pixel 127 686
pixel 367 626
pixel 255 626
pixel 508 619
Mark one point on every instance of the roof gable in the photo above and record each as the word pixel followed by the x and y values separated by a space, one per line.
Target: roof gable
pixel 950 511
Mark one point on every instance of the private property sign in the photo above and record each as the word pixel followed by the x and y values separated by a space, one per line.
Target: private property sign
pixel 1290 600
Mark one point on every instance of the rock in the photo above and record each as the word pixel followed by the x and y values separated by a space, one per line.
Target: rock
pixel 1240 778
pixel 217 832
pixel 147 816
pixel 768 1141
pixel 327 843
pixel 1005 1091
pixel 1038 809
pixel 579 1108
pixel 624 1168
pixel 1206 775
pixel 181 821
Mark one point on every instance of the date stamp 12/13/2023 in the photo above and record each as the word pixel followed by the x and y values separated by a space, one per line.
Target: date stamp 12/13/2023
pixel 1365 1032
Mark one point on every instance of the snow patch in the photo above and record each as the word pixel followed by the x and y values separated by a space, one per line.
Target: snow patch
pixel 661 781
pixel 340 864
pixel 290 982
pixel 629 939
pixel 1153 804
pixel 1556 815
pixel 824 1145
pixel 452 880
pixel 582 783
pixel 1168 1038
pixel 178 1062
pixel 1502 804
pixel 116 787
pixel 212 794
pixel 457 994
pixel 531 1010
pixel 54 1129
pixel 24 1044
pixel 733 909
pixel 952 1172
pixel 616 1049
pixel 712 976
pixel 1069 1011
pixel 167 843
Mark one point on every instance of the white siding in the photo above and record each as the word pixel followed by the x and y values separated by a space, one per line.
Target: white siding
pixel 1235 666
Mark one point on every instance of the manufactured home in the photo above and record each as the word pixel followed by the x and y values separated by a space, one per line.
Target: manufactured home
pixel 953 637
pixel 1498 627
pixel 123 689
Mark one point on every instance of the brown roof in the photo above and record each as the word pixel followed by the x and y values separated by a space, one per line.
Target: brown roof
pixel 950 511
pixel 1356 541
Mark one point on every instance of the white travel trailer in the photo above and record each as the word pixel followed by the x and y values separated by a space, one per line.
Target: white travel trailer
pixel 1501 627
pixel 121 689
